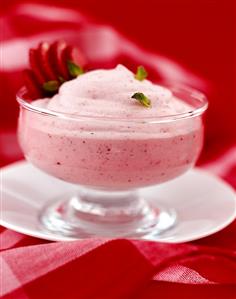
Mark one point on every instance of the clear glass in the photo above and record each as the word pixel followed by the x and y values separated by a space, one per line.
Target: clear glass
pixel 111 159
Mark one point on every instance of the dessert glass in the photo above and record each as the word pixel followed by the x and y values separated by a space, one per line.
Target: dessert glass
pixel 110 160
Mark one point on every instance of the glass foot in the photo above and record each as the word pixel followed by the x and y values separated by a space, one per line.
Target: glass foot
pixel 113 214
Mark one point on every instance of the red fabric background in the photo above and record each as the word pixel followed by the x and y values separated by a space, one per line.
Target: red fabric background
pixel 198 34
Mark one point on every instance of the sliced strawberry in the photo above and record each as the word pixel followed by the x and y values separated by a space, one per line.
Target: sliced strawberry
pixel 30 80
pixel 74 54
pixel 49 63
pixel 56 59
pixel 35 66
pixel 44 59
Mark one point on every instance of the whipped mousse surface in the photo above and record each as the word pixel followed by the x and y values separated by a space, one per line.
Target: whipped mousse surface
pixel 107 93
pixel 105 153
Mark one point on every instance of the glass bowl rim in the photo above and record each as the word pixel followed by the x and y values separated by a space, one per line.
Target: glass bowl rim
pixel 192 92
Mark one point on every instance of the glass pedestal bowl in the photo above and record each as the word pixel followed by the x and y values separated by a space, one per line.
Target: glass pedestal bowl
pixel 110 159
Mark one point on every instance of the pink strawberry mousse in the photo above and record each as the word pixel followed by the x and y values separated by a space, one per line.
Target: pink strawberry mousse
pixel 110 140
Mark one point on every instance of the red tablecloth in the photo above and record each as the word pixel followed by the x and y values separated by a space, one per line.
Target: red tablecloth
pixel 95 268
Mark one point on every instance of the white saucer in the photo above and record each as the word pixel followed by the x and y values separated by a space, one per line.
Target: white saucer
pixel 204 204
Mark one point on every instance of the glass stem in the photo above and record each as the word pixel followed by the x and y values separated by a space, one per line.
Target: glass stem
pixel 107 206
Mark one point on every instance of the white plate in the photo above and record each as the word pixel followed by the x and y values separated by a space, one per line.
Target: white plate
pixel 204 204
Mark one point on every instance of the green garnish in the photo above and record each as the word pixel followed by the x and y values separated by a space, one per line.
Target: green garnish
pixel 61 79
pixel 139 96
pixel 74 69
pixel 141 73
pixel 51 86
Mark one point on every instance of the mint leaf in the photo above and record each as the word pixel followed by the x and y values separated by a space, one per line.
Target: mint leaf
pixel 51 86
pixel 141 73
pixel 74 69
pixel 143 100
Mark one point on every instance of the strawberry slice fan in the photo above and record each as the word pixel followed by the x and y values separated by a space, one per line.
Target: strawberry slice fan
pixel 51 65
